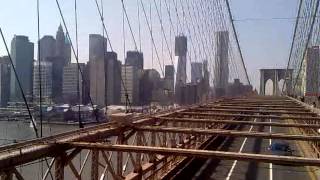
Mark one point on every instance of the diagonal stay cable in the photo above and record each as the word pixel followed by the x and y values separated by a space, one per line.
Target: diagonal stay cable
pixel 152 38
pixel 74 53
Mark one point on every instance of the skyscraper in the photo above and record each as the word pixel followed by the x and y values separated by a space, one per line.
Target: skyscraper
pixel 47 47
pixel 150 84
pixel 4 81
pixel 169 71
pixel 196 72
pixel 221 63
pixel 181 76
pixel 46 80
pixel 71 75
pixel 98 69
pixel 63 48
pixel 134 58
pixel 113 83
pixel 168 82
pixel 206 83
pixel 22 53
pixel 58 63
pixel 130 77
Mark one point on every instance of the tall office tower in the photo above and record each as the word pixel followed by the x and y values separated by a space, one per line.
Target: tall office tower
pixel 46 80
pixel 67 51
pixel 47 47
pixel 221 63
pixel 130 77
pixel 70 86
pixel 4 81
pixel 58 64
pixel 63 48
pixel 22 53
pixel 113 81
pixel 181 76
pixel 134 58
pixel 98 69
pixel 150 84
pixel 196 72
pixel 169 71
pixel 117 80
pixel 169 78
pixel 206 77
pixel 312 71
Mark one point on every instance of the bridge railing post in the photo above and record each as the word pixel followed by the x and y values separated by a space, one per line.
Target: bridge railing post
pixel 120 156
pixel 59 167
pixel 137 167
pixel 95 165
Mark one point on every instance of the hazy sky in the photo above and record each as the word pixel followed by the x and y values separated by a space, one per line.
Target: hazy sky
pixel 265 42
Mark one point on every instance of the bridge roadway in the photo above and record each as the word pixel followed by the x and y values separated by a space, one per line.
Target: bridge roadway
pixel 241 170
pixel 233 152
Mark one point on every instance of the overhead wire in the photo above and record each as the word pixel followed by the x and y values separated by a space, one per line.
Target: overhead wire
pixel 292 43
pixel 77 56
pixel 19 85
pixel 152 38
pixel 74 53
pixel 307 42
pixel 39 67
pixel 129 24
pixel 111 48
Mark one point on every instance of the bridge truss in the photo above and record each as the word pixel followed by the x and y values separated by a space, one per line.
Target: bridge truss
pixel 155 146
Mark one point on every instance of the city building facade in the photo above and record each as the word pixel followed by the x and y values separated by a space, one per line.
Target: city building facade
pixel 130 87
pixel 22 54
pixel 196 72
pixel 46 80
pixel 98 69
pixel 47 47
pixel 63 48
pixel 134 58
pixel 181 76
pixel 221 72
pixel 73 84
pixel 4 81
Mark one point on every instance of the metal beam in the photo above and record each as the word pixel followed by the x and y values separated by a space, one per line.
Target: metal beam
pixel 228 133
pixel 248 116
pixel 255 108
pixel 253 111
pixel 196 120
pixel 201 153
pixel 256 105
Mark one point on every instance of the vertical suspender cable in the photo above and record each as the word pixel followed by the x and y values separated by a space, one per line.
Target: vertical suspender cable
pixel 151 34
pixel 307 43
pixel 104 57
pixel 78 73
pixel 39 71
pixel 237 40
pixel 292 44
pixel 39 67
pixel 111 48
pixel 74 53
pixel 124 55
pixel 139 25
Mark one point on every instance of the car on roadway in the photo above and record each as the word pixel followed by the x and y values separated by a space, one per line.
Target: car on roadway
pixel 280 148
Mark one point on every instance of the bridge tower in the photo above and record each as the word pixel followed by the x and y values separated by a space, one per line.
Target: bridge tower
pixel 276 75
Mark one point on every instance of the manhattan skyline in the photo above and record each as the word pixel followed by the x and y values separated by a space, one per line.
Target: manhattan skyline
pixel 265 42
